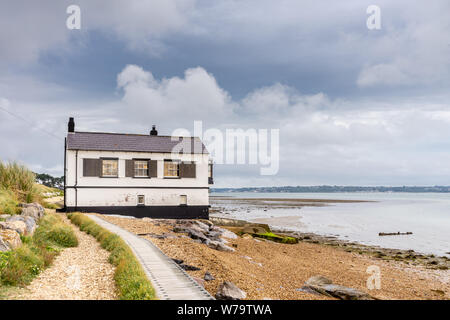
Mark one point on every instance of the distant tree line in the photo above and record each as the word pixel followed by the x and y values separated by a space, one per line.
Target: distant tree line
pixel 50 181
pixel 328 189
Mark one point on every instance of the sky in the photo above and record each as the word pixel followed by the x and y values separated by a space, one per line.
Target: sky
pixel 353 105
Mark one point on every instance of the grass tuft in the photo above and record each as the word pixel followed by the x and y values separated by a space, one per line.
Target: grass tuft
pixel 131 281
pixel 18 267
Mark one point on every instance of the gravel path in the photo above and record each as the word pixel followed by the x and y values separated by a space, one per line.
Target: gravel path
pixel 80 273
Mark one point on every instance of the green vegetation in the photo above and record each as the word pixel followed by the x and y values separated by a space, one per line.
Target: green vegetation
pixel 274 237
pixel 8 203
pixel 50 181
pixel 54 231
pixel 19 180
pixel 131 281
pixel 44 190
pixel 18 267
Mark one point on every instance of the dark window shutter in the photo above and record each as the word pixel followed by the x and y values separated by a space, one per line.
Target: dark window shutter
pixel 91 167
pixel 153 168
pixel 211 178
pixel 187 170
pixel 129 168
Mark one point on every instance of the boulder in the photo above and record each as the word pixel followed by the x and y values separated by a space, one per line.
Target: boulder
pixel 34 210
pixel 3 246
pixel 318 281
pixel 11 238
pixel 229 291
pixel 18 226
pixel 197 235
pixel 219 246
pixel 224 232
pixel 326 287
pixel 4 216
pixel 29 222
pixel 193 224
pixel 247 236
pixel 213 235
pixel 208 276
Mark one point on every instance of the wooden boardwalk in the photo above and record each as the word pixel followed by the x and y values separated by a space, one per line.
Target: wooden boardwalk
pixel 169 280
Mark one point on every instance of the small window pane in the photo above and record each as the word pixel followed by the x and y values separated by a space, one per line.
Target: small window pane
pixel 183 200
pixel 141 200
pixel 110 168
pixel 141 168
pixel 171 169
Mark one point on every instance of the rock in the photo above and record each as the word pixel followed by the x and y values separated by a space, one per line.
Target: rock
pixel 29 221
pixel 193 224
pixel 177 261
pixel 196 235
pixel 228 234
pixel 34 210
pixel 10 238
pixel 229 291
pixel 208 276
pixel 213 235
pixel 318 281
pixel 326 287
pixel 247 236
pixel 147 219
pixel 18 226
pixel 187 267
pixel 254 229
pixel 3 246
pixel 4 216
pixel 224 232
pixel 219 246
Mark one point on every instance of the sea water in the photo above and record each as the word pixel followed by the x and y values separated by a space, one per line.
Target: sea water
pixel 426 215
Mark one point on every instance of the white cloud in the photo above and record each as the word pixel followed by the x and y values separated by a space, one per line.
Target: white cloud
pixel 174 100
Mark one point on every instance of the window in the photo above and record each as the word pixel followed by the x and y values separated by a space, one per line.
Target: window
pixel 141 200
pixel 141 168
pixel 110 168
pixel 210 170
pixel 183 200
pixel 171 169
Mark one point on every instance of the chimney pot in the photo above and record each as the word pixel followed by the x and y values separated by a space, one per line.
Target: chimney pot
pixel 153 132
pixel 71 125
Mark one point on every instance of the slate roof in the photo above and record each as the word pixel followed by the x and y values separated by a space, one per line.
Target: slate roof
pixel 99 141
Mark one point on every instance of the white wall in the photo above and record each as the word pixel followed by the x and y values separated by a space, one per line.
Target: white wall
pixel 128 196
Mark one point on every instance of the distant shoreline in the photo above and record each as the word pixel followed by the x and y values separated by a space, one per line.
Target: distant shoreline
pixel 336 189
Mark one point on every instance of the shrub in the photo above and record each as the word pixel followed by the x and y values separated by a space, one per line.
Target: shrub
pixel 23 265
pixel 54 231
pixel 131 281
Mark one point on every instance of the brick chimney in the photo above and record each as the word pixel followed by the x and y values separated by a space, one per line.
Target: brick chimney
pixel 71 125
pixel 153 132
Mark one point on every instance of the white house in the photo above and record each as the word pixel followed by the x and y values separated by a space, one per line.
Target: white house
pixel 138 175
